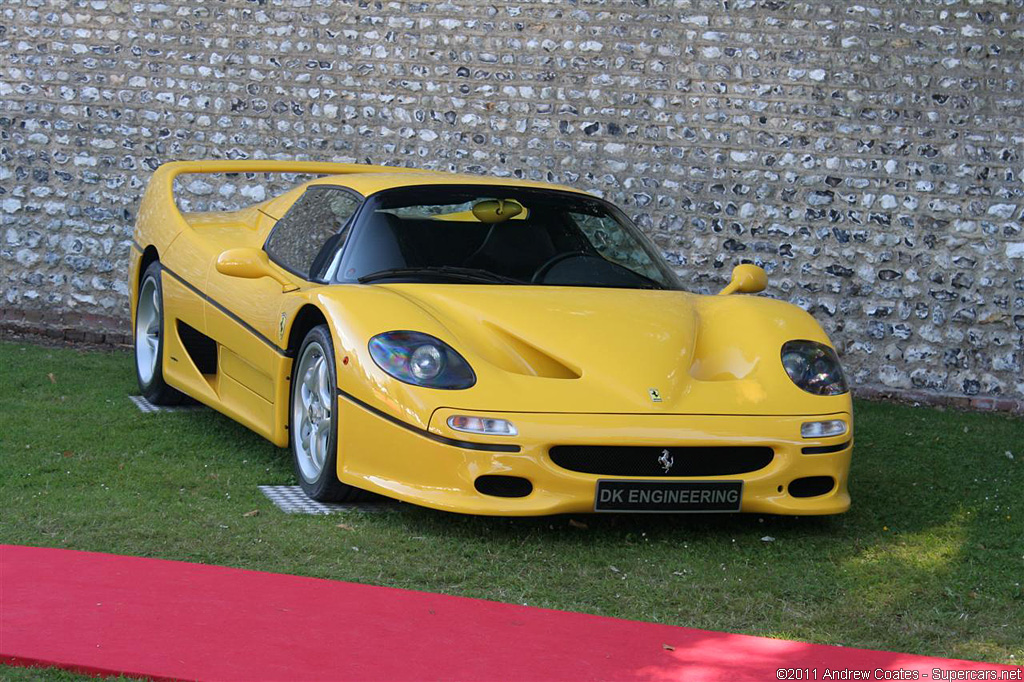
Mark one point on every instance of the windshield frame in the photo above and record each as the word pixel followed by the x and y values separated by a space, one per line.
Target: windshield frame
pixel 372 201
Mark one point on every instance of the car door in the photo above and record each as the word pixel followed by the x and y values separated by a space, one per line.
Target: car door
pixel 243 315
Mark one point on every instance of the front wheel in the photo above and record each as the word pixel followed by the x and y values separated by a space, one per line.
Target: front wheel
pixel 149 341
pixel 313 430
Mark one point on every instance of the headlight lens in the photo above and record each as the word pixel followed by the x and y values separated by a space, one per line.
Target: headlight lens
pixel 421 360
pixel 814 367
pixel 426 362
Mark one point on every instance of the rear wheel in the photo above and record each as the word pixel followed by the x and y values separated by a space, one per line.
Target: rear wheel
pixel 313 430
pixel 149 341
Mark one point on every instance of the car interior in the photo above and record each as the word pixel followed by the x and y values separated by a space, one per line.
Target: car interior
pixel 538 240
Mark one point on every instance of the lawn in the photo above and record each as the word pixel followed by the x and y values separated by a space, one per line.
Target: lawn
pixel 930 560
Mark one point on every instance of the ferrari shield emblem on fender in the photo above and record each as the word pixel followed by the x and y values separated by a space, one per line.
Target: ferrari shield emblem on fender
pixel 655 396
pixel 666 461
pixel 280 327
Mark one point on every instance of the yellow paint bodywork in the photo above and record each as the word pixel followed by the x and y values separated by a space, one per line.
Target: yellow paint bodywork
pixel 567 365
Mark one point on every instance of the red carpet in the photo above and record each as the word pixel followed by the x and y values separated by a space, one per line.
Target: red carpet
pixel 103 613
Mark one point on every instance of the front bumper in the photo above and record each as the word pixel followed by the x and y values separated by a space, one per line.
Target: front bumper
pixel 383 455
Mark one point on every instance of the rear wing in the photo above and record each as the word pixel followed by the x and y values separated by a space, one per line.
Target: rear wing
pixel 166 173
pixel 159 205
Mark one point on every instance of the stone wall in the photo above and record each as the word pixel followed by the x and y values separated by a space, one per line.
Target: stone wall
pixel 869 156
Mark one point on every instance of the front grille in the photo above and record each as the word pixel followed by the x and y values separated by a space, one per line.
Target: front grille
pixel 611 460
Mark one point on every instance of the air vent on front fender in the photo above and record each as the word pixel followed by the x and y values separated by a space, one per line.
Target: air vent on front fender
pixel 201 349
pixel 644 461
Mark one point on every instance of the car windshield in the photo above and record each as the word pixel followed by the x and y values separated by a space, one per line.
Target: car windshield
pixel 501 235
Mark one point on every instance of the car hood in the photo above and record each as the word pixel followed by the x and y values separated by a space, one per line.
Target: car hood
pixel 576 349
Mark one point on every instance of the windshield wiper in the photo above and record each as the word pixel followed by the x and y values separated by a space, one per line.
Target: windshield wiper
pixel 449 271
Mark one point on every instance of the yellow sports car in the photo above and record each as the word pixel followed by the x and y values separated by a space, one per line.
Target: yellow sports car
pixel 483 345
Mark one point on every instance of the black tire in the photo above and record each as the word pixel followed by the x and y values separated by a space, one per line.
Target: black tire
pixel 314 446
pixel 149 340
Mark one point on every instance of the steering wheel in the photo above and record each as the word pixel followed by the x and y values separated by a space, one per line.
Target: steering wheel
pixel 543 270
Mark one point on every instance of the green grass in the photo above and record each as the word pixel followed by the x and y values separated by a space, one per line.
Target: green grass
pixel 930 560
pixel 15 674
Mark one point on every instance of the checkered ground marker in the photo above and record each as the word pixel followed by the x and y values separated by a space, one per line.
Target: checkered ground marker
pixel 147 407
pixel 291 500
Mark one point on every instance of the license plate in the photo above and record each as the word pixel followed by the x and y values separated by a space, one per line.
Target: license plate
pixel 668 496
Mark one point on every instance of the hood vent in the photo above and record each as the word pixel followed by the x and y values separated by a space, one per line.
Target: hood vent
pixel 522 357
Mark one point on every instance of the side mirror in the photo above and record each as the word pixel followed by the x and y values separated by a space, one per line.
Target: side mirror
pixel 746 279
pixel 249 263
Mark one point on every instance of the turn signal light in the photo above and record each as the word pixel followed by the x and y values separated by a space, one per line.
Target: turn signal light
pixel 483 425
pixel 825 429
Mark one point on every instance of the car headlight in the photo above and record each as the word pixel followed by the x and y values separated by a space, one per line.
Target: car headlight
pixel 814 367
pixel 421 360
